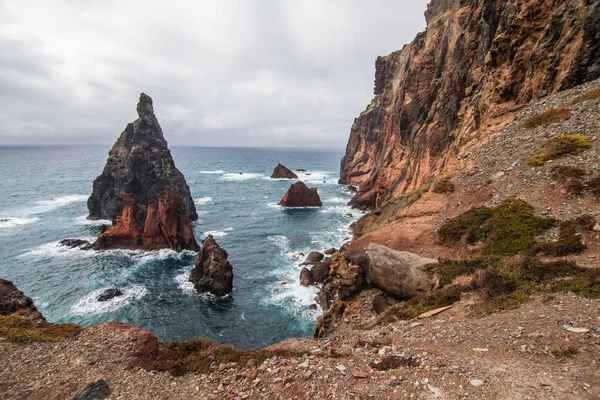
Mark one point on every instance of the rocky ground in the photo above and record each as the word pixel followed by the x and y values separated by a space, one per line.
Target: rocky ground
pixel 521 354
pixel 548 348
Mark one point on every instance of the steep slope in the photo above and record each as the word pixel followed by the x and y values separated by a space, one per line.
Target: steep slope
pixel 476 62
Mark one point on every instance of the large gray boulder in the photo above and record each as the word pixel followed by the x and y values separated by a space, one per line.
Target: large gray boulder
pixel 399 273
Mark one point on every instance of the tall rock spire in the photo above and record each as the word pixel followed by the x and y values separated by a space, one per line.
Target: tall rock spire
pixel 142 191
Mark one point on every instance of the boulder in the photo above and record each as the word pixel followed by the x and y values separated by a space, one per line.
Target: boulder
pixel 300 195
pixel 313 258
pixel 98 390
pixel 109 294
pixel 305 277
pixel 398 273
pixel 282 172
pixel 320 271
pixel 13 300
pixel 330 251
pixel 76 243
pixel 142 191
pixel 212 272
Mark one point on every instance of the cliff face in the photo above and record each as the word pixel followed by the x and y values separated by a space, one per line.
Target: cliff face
pixel 477 61
pixel 142 191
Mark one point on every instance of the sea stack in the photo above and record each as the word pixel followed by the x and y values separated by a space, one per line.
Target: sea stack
pixel 142 191
pixel 283 172
pixel 212 271
pixel 300 195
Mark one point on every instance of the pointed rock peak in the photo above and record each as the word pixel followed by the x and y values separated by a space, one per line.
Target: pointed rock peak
pixel 144 106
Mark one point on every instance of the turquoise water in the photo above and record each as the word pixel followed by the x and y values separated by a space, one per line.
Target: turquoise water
pixel 43 193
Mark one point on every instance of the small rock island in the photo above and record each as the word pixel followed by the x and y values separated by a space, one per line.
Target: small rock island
pixel 283 172
pixel 299 195
pixel 212 272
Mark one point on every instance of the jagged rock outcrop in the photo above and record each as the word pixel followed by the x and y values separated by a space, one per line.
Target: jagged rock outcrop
pixel 282 172
pixel 142 191
pixel 13 300
pixel 212 272
pixel 476 61
pixel 401 274
pixel 313 257
pixel 300 195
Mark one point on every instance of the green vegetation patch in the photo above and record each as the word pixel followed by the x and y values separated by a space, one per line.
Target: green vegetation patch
pixel 549 117
pixel 561 146
pixel 504 284
pixel 505 230
pixel 18 328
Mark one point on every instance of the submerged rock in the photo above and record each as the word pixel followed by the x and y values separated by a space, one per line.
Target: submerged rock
pixel 282 172
pixel 74 243
pixel 399 273
pixel 300 195
pixel 142 191
pixel 109 294
pixel 212 272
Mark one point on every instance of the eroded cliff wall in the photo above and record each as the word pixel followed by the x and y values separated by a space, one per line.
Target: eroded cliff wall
pixel 476 61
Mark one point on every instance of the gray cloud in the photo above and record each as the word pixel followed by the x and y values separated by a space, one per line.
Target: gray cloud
pixel 221 73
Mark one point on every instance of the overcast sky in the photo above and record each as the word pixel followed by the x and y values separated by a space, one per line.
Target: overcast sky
pixel 221 73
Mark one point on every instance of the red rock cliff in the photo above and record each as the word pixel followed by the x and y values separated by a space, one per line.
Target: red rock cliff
pixel 477 60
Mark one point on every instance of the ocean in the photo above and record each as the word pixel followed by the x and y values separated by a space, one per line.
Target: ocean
pixel 43 194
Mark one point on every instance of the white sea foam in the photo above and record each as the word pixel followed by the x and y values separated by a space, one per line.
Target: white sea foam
pixel 55 250
pixel 280 241
pixel 217 234
pixel 218 171
pixel 63 200
pixel 89 304
pixel 10 222
pixel 203 201
pixel 295 297
pixel 83 220
pixel 336 200
pixel 240 177
pixel 184 283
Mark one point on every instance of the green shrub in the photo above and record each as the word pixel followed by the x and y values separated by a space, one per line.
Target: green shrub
pixel 505 230
pixel 561 146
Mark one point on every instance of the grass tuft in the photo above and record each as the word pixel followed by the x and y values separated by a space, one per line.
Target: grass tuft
pixel 561 146
pixel 562 352
pixel 549 117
